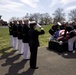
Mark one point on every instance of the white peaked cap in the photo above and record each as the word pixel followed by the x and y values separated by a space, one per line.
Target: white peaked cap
pixel 30 22
pixel 59 23
pixel 25 18
pixel 65 21
pixel 70 21
pixel 73 21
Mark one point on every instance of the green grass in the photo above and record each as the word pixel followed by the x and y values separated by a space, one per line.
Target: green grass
pixel 44 38
pixel 5 39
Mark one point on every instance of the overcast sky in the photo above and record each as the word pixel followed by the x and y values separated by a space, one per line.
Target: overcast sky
pixel 19 8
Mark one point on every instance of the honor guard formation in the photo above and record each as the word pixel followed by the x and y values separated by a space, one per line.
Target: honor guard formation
pixel 24 37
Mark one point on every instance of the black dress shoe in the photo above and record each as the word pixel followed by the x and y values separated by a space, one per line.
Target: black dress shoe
pixel 34 67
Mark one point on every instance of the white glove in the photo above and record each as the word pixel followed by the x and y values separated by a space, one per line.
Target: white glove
pixel 38 25
pixel 42 28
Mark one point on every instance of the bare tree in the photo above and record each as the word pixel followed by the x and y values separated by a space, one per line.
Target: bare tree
pixel 37 17
pixel 59 15
pixel 31 17
pixel 26 16
pixel 72 15
pixel 45 19
pixel 41 19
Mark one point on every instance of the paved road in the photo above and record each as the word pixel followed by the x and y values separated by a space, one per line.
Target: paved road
pixel 49 62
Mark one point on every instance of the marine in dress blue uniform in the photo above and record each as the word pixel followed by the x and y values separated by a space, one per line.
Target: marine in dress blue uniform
pixel 25 30
pixel 34 43
pixel 20 43
pixel 15 34
pixel 11 33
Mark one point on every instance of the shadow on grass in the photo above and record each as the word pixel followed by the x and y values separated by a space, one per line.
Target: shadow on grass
pixel 2 51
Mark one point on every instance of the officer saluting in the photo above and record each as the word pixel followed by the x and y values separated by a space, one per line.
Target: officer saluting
pixel 34 43
pixel 15 34
pixel 20 44
pixel 11 33
pixel 26 39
